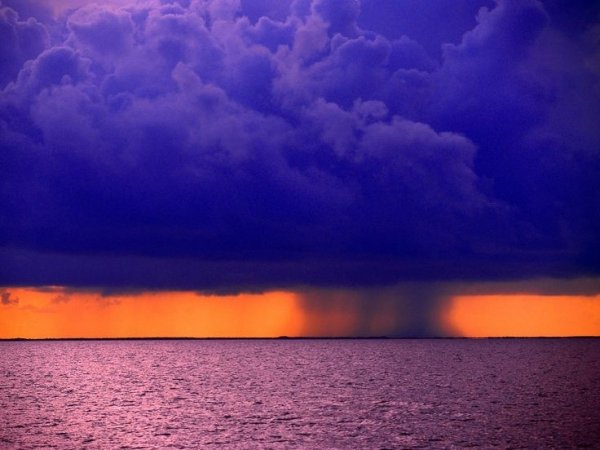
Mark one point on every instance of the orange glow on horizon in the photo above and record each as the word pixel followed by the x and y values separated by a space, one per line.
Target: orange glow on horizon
pixel 58 313
pixel 40 314
pixel 524 315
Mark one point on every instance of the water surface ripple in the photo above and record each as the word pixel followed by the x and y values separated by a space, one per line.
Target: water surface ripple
pixel 300 394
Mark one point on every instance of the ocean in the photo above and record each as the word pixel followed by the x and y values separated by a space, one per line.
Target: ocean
pixel 288 393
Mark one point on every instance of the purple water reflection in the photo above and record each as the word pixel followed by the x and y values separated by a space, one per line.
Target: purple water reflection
pixel 300 394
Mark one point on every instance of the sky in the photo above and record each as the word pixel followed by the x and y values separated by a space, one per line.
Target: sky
pixel 299 167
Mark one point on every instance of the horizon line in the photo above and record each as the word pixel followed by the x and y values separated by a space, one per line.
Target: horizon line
pixel 283 338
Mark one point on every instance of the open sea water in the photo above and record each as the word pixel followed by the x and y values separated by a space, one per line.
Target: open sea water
pixel 456 393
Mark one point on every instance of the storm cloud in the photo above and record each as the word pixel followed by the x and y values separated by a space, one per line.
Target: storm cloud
pixel 236 145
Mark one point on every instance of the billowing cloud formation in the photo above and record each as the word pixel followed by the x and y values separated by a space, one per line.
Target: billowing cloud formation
pixel 20 40
pixel 225 145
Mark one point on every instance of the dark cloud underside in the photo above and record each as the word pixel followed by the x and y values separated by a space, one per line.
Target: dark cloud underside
pixel 226 145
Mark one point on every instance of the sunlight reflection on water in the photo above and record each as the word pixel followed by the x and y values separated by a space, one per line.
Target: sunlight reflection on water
pixel 300 393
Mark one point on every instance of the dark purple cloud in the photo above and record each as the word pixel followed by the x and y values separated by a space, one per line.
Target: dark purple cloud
pixel 20 40
pixel 225 145
pixel 431 23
